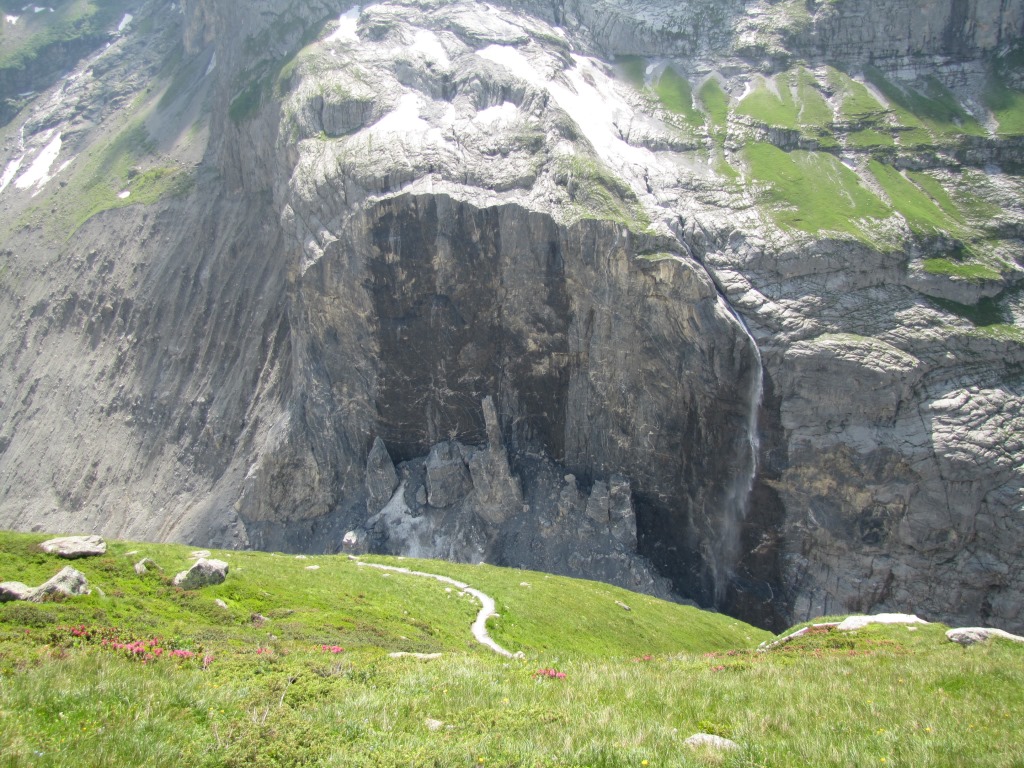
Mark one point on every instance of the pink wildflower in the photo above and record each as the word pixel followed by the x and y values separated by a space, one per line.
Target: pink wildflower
pixel 550 673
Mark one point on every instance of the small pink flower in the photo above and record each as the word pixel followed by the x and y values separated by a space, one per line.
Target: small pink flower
pixel 550 673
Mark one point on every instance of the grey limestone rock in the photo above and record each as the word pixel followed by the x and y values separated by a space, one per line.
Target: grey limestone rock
pixel 381 478
pixel 203 573
pixel 355 543
pixel 15 590
pixel 72 547
pixel 68 581
pixel 496 491
pixel 710 741
pixel 974 635
pixel 621 516
pixel 448 478
pixel 143 565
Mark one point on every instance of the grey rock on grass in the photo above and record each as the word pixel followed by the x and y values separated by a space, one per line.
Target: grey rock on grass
pixel 68 581
pixel 974 635
pixel 203 573
pixel 710 741
pixel 72 547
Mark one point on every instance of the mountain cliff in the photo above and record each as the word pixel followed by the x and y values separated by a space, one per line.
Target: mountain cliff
pixel 712 299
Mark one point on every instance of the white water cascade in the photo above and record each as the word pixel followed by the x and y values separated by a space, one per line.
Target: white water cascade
pixel 722 549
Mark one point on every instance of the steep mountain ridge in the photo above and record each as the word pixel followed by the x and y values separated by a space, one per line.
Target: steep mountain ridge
pixel 744 273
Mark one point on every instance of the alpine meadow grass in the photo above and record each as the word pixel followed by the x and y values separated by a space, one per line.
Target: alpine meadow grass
pixel 297 671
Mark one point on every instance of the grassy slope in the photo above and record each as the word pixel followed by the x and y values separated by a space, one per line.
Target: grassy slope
pixel 812 191
pixel 636 684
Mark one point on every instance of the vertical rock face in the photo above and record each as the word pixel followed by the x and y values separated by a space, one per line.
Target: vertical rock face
pixel 734 318
pixel 381 478
pixel 887 29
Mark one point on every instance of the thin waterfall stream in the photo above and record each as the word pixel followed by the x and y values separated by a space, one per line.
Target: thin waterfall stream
pixel 726 527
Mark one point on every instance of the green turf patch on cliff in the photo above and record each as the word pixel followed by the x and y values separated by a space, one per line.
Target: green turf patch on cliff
pixel 676 95
pixel 69 21
pixel 122 165
pixel 921 212
pixel 596 192
pixel 930 114
pixel 966 270
pixel 857 104
pixel 1007 107
pixel 715 103
pixel 633 69
pixel 813 191
pixel 771 102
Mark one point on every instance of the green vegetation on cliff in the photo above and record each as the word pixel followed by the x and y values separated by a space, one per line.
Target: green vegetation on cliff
pixel 812 191
pixel 120 171
pixel 295 670
pixel 597 193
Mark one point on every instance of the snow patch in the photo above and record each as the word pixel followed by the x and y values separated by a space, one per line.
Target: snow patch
pixel 512 60
pixel 125 22
pixel 124 195
pixel 590 97
pixel 502 113
pixel 212 66
pixel 39 172
pixel 403 119
pixel 346 30
pixel 429 44
pixel 11 19
pixel 10 172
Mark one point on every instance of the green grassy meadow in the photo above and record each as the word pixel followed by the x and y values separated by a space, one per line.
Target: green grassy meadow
pixel 296 671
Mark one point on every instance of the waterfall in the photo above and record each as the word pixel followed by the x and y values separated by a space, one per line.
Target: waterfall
pixel 723 547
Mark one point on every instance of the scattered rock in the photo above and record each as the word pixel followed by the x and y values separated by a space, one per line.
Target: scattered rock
pixel 312 567
pixel 15 590
pixel 72 547
pixel 221 604
pixel 859 622
pixel 710 741
pixel 354 543
pixel 433 725
pixel 972 635
pixel 827 626
pixel 301 557
pixel 203 573
pixel 623 606
pixel 67 582
pixel 141 566
pixel 200 554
